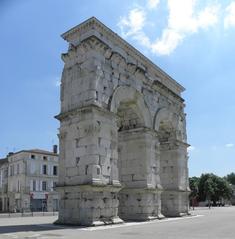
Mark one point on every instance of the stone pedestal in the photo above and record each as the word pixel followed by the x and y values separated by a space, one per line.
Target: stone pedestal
pixel 140 204
pixel 174 203
pixel 90 183
pixel 88 205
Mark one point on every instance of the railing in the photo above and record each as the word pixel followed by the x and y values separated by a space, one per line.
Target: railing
pixel 28 214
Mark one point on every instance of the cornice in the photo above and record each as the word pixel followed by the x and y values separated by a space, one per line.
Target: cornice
pixel 173 145
pixel 160 85
pixel 91 108
pixel 94 27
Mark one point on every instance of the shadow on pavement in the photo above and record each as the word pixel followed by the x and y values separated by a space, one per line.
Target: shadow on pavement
pixel 34 228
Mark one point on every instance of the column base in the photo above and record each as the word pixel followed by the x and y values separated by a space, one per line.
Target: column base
pixel 139 204
pixel 116 220
pixel 175 203
pixel 160 216
pixel 87 205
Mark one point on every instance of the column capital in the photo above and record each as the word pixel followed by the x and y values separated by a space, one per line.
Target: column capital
pixel 173 145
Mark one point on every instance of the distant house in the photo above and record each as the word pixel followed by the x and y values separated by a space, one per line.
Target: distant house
pixel 31 179
pixel 4 201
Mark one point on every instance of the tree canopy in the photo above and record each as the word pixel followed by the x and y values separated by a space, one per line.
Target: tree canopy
pixel 210 187
pixel 230 178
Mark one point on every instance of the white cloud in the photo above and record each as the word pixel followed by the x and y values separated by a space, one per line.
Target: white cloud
pixel 169 41
pixel 56 81
pixel 191 148
pixel 229 20
pixel 230 145
pixel 180 15
pixel 183 20
pixel 152 3
pixel 57 84
pixel 133 23
pixel 183 17
pixel 209 16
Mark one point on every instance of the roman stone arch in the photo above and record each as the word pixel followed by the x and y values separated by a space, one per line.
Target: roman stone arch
pixel 112 152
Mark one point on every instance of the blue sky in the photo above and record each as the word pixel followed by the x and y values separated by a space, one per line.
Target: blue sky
pixel 193 41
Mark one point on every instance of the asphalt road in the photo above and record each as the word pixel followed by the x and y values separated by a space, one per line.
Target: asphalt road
pixel 215 223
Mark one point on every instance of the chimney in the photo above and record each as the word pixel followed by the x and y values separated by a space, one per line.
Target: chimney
pixel 10 154
pixel 55 149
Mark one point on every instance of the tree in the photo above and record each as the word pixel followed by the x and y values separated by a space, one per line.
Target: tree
pixel 209 188
pixel 224 189
pixel 201 186
pixel 230 178
pixel 214 188
pixel 193 184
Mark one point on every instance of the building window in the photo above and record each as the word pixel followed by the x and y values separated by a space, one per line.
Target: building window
pixel 54 185
pixel 55 170
pixel 77 160
pixel 55 204
pixel 44 185
pixel 18 169
pixel 32 156
pixel 44 169
pixel 34 185
pixel 44 157
pixel 77 143
pixel 18 186
pixel 11 170
pixel 1 178
pixel 32 167
pixel 5 173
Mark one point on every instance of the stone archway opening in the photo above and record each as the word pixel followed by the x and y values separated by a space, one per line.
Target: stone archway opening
pixel 173 161
pixel 165 132
pixel 131 160
pixel 128 117
pixel 137 165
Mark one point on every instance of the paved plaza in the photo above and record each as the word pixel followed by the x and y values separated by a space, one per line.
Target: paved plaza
pixel 205 223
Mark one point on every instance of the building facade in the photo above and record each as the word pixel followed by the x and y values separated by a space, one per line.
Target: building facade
pixel 32 176
pixel 4 202
pixel 123 144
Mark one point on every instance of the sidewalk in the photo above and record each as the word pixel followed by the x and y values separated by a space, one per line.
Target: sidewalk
pixel 28 214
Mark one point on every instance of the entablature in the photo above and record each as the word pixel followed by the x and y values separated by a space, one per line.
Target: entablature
pixel 93 27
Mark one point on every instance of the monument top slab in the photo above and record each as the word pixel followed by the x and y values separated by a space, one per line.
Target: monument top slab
pixel 93 27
